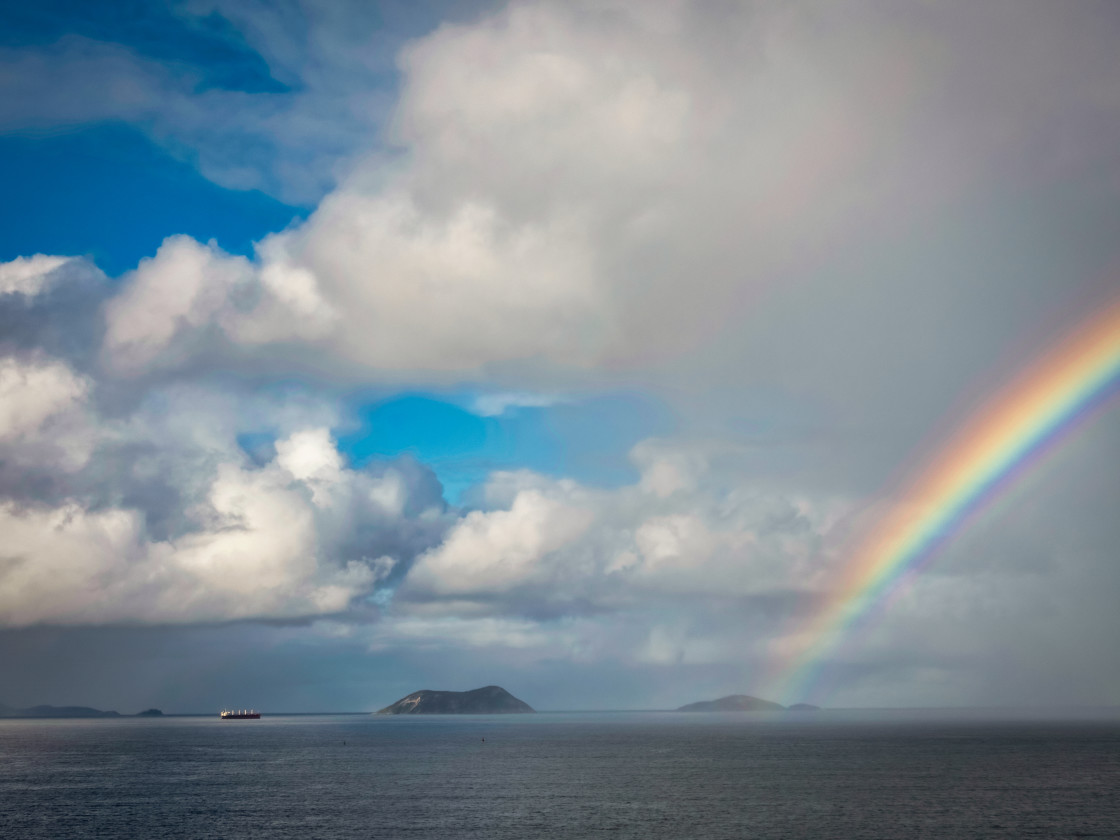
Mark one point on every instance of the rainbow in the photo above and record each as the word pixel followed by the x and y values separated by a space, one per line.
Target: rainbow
pixel 1035 411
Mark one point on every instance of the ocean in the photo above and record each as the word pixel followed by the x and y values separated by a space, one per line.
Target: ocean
pixel 562 775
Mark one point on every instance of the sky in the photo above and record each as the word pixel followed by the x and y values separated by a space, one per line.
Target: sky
pixel 353 348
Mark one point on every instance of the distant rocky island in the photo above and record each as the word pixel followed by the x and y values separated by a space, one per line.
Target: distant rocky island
pixel 491 700
pixel 54 712
pixel 150 713
pixel 744 703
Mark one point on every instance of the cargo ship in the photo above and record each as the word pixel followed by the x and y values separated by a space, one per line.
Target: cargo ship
pixel 239 714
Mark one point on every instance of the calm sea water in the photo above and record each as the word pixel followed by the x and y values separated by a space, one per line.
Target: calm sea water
pixel 640 775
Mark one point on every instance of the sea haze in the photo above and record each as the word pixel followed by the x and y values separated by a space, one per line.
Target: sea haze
pixel 570 775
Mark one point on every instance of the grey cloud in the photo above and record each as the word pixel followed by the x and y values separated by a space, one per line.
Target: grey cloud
pixel 147 509
pixel 52 310
pixel 767 198
pixel 234 541
pixel 544 549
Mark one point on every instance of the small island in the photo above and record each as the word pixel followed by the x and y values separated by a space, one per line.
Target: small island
pixel 55 712
pixel 734 703
pixel 150 713
pixel 490 700
pixel 745 703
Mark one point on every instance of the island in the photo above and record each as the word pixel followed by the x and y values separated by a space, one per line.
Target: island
pixel 55 712
pixel 490 700
pixel 150 713
pixel 734 702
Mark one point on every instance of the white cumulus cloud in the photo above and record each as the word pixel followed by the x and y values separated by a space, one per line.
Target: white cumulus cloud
pixel 28 275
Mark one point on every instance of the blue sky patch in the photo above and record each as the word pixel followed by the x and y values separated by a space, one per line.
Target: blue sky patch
pixel 110 193
pixel 587 440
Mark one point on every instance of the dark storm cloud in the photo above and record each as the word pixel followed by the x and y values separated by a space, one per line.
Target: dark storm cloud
pixel 62 319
